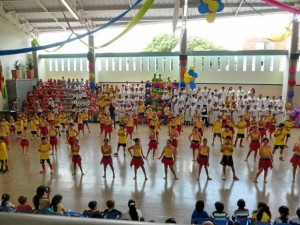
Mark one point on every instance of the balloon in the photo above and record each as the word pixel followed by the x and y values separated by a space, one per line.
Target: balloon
pixel 288 106
pixel 92 85
pixel 182 72
pixel 91 66
pixel 221 6
pixel 293 70
pixel 187 80
pixel 192 78
pixel 203 8
pixel 191 72
pixel 291 94
pixel 175 84
pixel 186 74
pixel 183 62
pixel 192 67
pixel 182 85
pixel 192 85
pixel 292 82
pixel 207 1
pixel 210 17
pixel 213 6
pixel 195 75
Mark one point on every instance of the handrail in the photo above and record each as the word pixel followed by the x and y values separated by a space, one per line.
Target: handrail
pixel 32 219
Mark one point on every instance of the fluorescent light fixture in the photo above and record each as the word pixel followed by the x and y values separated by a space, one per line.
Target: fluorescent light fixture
pixel 70 9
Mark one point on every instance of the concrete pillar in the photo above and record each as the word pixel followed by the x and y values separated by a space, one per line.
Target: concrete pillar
pixel 35 62
pixel 91 58
pixel 183 54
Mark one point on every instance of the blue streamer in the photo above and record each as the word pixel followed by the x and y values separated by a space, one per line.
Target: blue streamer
pixel 37 48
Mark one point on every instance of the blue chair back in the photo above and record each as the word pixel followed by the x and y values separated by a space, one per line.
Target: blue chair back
pixel 74 214
pixel 261 223
pixel 221 222
pixel 3 209
pixel 245 221
pixel 199 220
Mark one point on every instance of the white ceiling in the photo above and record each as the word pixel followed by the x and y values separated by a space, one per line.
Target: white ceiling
pixel 36 16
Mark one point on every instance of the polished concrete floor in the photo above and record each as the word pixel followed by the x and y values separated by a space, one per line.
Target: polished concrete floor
pixel 157 198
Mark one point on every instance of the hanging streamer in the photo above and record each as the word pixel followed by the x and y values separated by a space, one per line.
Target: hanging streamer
pixel 35 42
pixel 143 10
pixel 37 48
pixel 282 6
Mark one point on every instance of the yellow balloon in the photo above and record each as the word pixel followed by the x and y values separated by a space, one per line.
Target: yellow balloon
pixel 192 67
pixel 210 17
pixel 187 80
pixel 288 106
pixel 192 78
pixel 213 6
pixel 186 74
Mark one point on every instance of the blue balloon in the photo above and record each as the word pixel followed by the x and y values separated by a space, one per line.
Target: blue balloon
pixel 191 72
pixel 203 8
pixel 176 84
pixel 221 6
pixel 182 85
pixel 192 85
pixel 195 75
pixel 92 85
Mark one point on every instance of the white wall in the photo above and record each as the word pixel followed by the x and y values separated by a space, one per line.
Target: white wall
pixel 11 38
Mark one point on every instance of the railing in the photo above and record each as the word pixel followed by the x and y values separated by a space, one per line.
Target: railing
pixel 211 66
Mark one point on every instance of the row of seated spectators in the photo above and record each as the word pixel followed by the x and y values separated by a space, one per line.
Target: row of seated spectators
pixel 241 216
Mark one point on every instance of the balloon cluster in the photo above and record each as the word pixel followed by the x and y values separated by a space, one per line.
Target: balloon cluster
pixel 189 78
pixel 296 116
pixel 210 8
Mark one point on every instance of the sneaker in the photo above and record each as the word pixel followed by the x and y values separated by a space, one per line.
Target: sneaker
pixel 281 158
pixel 116 154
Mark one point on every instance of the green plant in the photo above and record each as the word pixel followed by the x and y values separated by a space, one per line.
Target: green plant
pixel 17 65
pixel 29 66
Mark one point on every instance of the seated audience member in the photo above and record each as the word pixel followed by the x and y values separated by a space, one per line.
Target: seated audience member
pixel 199 211
pixel 92 211
pixel 133 213
pixel 284 215
pixel 23 206
pixel 241 212
pixel 42 193
pixel 262 214
pixel 56 204
pixel 111 212
pixel 6 204
pixel 170 220
pixel 219 214
pixel 295 220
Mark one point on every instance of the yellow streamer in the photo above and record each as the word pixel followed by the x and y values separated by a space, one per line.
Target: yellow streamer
pixel 129 26
pixel 36 43
pixel 283 36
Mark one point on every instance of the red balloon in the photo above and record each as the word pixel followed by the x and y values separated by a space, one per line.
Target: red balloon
pixel 292 82
pixel 183 62
pixel 293 70
pixel 182 72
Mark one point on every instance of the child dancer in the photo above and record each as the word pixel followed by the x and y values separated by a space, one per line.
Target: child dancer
pixel 217 129
pixel 168 156
pixel 195 141
pixel 106 158
pixel 121 140
pixel 241 125
pixel 203 159
pixel 129 127
pixel 12 127
pixel 4 134
pixel 174 137
pixel 254 144
pixel 19 127
pixel 279 135
pixel 76 158
pixel 85 117
pixel 3 156
pixel 295 160
pixel 153 143
pixel 80 123
pixel 44 149
pixel 265 161
pixel 71 134
pixel 53 138
pixel 227 150
pixel 33 128
pixel 262 127
pixel 24 141
pixel 137 157
pixel 288 125
pixel 108 127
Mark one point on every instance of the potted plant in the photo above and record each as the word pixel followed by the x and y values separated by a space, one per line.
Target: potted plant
pixel 16 71
pixel 30 70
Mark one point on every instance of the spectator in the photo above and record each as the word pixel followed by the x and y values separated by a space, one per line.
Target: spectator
pixel 133 213
pixel 56 205
pixel 241 212
pixel 6 203
pixel 42 193
pixel 284 215
pixel 199 211
pixel 23 206
pixel 295 220
pixel 262 214
pixel 170 220
pixel 111 212
pixel 219 214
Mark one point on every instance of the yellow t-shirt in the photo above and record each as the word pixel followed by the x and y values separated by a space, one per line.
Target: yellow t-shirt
pixel 196 137
pixel 3 134
pixel 52 132
pixel 217 127
pixel 227 149
pixel 122 136
pixel 19 126
pixel 279 137
pixel 45 151
pixel 168 152
pixel 71 133
pixel 288 126
pixel 265 151
pixel 227 133
pixel 85 116
pixel 141 109
pixel 203 150
pixel 241 125
pixel 32 125
pixel 137 151
pixel 63 118
pixel 3 151
pixel 5 124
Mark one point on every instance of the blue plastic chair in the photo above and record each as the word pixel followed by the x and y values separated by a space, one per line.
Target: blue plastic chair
pixel 3 209
pixel 74 214
pixel 199 220
pixel 245 221
pixel 25 211
pixel 261 223
pixel 221 222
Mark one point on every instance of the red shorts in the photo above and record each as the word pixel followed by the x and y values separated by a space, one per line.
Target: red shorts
pixel 106 160
pixel 153 144
pixel 167 161
pixel 179 128
pixel 250 129
pixel 80 127
pixel 76 159
pixel 6 141
pixel 137 161
pixel 102 127
pixel 295 160
pixel 141 116
pixel 267 125
pixel 24 143
pixel 108 129
pixel 53 141
pixel 12 128
pixel 175 143
pixel 262 132
pixel 195 145
pixel 168 120
pixel 200 130
pixel 254 145
pixel 272 128
pixel 44 131
pixel 247 123
pixel 149 121
pixel 232 130
pixel 265 164
pixel 135 122
pixel 71 141
pixel 202 160
pixel 224 122
pixel 129 130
